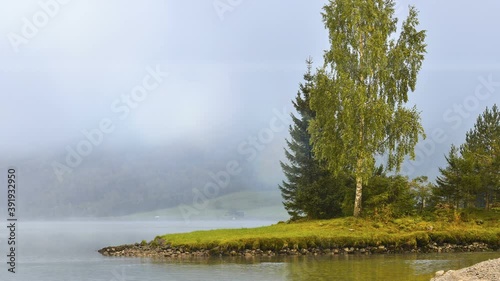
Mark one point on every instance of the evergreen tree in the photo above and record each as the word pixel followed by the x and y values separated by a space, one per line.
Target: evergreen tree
pixel 482 149
pixel 307 190
pixel 450 185
pixel 473 171
pixel 359 95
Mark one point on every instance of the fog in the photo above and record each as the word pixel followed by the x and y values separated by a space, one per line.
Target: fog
pixel 157 95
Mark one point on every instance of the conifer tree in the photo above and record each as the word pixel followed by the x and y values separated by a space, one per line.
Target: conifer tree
pixel 473 171
pixel 450 185
pixel 309 189
pixel 482 149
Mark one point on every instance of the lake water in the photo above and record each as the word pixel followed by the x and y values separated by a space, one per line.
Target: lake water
pixel 68 251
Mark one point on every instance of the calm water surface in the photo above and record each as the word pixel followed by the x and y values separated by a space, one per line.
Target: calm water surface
pixel 68 251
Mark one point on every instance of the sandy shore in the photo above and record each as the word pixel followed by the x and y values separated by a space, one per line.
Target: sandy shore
pixel 484 271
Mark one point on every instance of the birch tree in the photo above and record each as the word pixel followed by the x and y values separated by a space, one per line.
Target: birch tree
pixel 361 92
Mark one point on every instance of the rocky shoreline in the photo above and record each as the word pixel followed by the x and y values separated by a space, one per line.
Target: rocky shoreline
pixel 161 249
pixel 487 270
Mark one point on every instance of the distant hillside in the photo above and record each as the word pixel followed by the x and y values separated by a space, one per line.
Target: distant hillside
pixel 118 181
pixel 238 205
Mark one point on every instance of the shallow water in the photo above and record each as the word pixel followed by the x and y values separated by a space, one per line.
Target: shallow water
pixel 68 251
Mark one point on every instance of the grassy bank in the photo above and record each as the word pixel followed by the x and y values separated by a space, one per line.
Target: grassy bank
pixel 343 232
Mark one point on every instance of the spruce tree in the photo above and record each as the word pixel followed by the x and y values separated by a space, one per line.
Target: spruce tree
pixel 307 190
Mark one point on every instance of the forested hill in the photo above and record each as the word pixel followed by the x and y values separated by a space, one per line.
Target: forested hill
pixel 125 180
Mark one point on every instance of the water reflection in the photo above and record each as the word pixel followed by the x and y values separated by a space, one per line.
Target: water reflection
pixel 350 268
pixel 340 267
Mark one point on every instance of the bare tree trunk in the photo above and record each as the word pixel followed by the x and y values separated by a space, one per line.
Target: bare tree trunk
pixel 359 164
pixel 359 193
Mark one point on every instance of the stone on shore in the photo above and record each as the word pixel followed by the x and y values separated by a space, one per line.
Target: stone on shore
pixel 483 271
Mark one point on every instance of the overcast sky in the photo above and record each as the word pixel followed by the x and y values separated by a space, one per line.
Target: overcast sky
pixel 65 68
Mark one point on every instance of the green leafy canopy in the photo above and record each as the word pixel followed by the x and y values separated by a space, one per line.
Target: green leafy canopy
pixel 361 91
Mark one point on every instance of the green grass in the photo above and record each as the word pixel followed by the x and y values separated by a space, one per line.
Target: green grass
pixel 260 205
pixel 342 232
